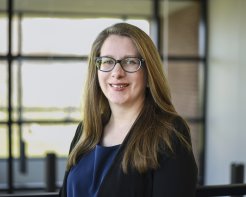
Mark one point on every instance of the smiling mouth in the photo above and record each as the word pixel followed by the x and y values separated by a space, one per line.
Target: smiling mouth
pixel 118 85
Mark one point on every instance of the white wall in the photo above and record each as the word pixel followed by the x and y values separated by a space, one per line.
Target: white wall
pixel 226 134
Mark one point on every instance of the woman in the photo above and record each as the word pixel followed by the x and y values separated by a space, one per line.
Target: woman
pixel 131 142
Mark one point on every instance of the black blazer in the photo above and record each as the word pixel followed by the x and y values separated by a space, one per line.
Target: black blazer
pixel 175 177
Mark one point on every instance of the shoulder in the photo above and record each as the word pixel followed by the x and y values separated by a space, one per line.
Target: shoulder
pixel 182 152
pixel 180 124
pixel 177 137
pixel 181 131
pixel 178 170
pixel 77 136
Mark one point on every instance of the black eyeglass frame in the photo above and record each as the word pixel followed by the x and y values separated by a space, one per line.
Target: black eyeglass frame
pixel 141 61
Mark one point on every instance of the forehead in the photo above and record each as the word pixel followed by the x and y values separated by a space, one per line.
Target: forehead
pixel 116 45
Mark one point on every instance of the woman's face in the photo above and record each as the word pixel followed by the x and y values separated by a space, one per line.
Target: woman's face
pixel 120 87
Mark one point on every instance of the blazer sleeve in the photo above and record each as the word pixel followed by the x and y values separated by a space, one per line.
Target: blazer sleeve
pixel 76 136
pixel 63 189
pixel 177 173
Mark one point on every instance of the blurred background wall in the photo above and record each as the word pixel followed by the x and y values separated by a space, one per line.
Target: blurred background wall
pixel 226 132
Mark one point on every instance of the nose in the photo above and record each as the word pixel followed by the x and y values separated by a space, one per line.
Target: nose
pixel 118 71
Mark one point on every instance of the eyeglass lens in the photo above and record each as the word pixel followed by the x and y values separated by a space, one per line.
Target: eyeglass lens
pixel 130 64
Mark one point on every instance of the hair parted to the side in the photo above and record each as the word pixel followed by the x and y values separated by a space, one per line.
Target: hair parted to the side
pixel 154 127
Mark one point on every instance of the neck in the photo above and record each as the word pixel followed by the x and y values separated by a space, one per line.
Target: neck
pixel 119 124
pixel 124 115
pixel 121 120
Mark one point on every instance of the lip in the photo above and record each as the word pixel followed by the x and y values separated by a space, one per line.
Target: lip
pixel 118 86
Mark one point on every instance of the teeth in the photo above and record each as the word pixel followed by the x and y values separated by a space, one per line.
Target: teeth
pixel 118 86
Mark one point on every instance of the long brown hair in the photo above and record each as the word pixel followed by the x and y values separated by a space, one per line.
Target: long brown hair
pixel 154 127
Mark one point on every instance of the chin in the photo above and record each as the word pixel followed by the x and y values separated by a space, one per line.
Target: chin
pixel 117 102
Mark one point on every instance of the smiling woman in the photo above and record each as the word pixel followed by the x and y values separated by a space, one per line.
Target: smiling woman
pixel 131 140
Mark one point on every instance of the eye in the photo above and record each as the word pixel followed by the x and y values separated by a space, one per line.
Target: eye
pixel 98 62
pixel 132 61
pixel 107 61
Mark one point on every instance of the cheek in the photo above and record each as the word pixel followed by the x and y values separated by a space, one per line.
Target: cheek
pixel 139 84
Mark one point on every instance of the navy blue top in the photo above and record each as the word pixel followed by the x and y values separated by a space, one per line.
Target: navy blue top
pixel 85 178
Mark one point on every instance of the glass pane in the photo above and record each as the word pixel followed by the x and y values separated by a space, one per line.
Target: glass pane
pixel 61 35
pixel 3 141
pixel 3 173
pixel 3 33
pixel 3 155
pixel 3 91
pixel 49 90
pixel 184 79
pixel 75 37
pixel 141 23
pixel 183 28
pixel 3 5
pixel 40 139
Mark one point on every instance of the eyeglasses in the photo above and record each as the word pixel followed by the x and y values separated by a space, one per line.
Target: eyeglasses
pixel 129 64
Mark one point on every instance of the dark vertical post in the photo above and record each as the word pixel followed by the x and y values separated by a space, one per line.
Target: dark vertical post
pixel 156 23
pixel 237 174
pixel 23 162
pixel 50 172
pixel 22 158
pixel 204 49
pixel 10 58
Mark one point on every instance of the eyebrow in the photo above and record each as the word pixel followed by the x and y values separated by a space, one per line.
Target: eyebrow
pixel 124 57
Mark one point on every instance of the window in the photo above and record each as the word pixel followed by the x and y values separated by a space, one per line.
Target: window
pixel 47 92
pixel 3 33
pixel 48 73
pixel 186 69
pixel 3 91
